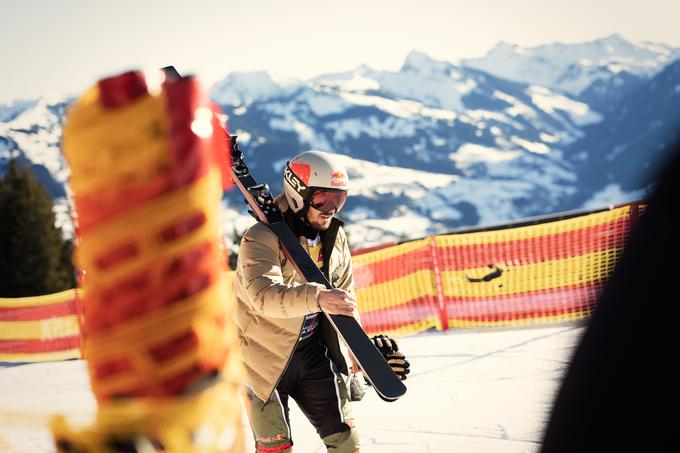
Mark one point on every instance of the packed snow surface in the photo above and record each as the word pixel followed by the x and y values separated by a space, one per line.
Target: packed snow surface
pixel 469 391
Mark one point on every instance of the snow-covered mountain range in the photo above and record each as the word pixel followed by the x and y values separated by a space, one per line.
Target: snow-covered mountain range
pixel 437 145
pixel 595 72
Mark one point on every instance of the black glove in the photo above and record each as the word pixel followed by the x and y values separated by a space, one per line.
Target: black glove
pixel 389 349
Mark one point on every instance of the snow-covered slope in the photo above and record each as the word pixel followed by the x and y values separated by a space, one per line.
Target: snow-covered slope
pixel 624 153
pixel 33 135
pixel 470 392
pixel 31 132
pixel 390 204
pixel 10 111
pixel 482 135
pixel 437 106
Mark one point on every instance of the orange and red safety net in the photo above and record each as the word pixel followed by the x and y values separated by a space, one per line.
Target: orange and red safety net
pixel 547 272
pixel 41 328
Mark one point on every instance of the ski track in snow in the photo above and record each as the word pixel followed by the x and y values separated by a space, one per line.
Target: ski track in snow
pixel 469 391
pixel 499 351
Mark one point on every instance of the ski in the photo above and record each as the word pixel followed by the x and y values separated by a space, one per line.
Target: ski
pixel 375 368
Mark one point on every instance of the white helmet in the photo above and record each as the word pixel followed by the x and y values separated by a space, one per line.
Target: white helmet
pixel 317 179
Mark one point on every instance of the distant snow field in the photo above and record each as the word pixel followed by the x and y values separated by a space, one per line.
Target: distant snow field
pixel 469 391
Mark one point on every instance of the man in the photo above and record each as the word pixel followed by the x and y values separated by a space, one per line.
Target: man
pixel 289 348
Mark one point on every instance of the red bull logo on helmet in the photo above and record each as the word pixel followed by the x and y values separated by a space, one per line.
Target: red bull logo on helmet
pixel 338 179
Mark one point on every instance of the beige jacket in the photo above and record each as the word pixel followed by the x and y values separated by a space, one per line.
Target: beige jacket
pixel 272 302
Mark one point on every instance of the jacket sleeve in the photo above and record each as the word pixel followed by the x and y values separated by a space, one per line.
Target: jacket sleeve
pixel 346 277
pixel 260 271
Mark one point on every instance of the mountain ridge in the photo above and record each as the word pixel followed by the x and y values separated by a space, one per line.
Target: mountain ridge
pixel 500 149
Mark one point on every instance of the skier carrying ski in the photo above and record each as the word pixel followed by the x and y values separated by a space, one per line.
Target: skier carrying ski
pixel 289 348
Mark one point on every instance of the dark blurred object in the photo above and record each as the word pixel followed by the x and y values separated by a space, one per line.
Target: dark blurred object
pixel 171 73
pixel 615 391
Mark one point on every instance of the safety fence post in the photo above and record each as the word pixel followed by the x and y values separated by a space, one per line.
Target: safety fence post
pixel 634 213
pixel 443 314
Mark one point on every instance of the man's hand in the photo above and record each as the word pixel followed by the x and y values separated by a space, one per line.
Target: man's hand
pixel 337 302
pixel 355 367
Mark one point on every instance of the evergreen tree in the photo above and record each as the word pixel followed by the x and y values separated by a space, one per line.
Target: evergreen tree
pixel 34 258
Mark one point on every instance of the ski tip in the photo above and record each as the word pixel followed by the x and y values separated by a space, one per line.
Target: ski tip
pixel 171 73
pixel 391 394
pixel 390 399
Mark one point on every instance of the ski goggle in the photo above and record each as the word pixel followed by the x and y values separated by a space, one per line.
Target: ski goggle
pixel 327 200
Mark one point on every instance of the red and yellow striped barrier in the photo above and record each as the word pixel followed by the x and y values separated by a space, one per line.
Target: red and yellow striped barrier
pixel 41 328
pixel 148 171
pixel 552 271
pixel 547 272
pixel 396 288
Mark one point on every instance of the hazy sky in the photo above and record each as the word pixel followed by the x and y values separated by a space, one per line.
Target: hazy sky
pixel 53 47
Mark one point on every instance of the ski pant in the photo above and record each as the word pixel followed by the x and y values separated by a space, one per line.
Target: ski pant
pixel 313 381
